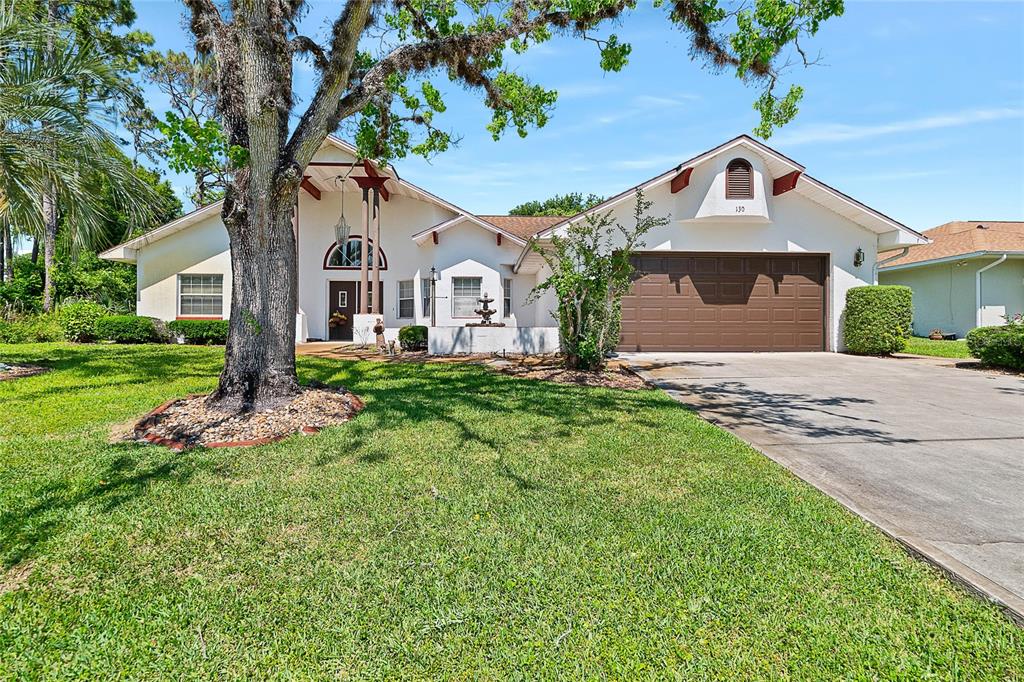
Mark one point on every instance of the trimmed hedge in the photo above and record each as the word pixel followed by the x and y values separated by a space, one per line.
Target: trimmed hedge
pixel 998 346
pixel 126 329
pixel 878 319
pixel 202 332
pixel 78 320
pixel 413 337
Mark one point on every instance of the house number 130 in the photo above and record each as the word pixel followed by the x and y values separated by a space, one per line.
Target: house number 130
pixel 741 209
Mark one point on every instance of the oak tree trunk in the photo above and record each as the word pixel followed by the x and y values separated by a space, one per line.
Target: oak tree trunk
pixel 259 360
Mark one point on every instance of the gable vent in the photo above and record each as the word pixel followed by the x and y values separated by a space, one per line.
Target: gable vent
pixel 739 180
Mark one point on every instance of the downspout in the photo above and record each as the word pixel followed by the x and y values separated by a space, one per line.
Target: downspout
pixel 977 287
pixel 880 263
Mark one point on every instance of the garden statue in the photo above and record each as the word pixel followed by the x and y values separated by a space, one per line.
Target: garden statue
pixel 378 329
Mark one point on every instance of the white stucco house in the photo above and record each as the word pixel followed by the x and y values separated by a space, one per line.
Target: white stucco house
pixel 757 256
pixel 970 275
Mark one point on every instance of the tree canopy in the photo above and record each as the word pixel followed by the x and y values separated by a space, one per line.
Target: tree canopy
pixel 560 204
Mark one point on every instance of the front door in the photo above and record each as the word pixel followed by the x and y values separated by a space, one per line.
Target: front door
pixel 341 299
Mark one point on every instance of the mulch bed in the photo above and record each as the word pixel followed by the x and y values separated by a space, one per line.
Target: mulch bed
pixel 190 422
pixel 550 368
pixel 20 371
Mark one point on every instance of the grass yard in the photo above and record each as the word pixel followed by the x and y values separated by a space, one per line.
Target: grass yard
pixel 920 345
pixel 466 525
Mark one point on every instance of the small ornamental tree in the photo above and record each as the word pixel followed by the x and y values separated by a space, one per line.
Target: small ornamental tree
pixel 590 273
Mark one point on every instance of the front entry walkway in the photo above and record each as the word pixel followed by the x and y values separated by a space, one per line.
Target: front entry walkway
pixel 932 455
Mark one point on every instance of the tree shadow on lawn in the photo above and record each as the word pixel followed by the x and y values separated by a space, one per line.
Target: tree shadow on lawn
pixel 24 531
pixel 475 400
pixel 89 367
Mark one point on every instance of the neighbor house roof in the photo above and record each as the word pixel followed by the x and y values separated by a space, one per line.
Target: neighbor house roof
pixel 523 226
pixel 964 238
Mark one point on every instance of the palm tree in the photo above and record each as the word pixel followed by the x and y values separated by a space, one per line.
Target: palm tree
pixel 55 148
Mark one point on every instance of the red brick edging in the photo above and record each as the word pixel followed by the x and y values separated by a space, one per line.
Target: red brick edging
pixel 142 428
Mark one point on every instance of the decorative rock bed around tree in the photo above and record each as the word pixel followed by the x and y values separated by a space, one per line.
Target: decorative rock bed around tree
pixel 189 422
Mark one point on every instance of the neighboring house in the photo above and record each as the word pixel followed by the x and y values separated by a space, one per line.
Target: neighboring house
pixel 970 275
pixel 757 256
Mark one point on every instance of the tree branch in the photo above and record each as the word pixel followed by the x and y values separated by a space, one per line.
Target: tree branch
pixel 321 116
pixel 306 45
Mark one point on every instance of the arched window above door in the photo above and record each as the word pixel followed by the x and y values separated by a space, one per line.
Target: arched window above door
pixel 350 257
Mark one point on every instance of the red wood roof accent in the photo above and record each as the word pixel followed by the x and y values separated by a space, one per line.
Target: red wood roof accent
pixel 372 172
pixel 366 182
pixel 680 181
pixel 785 183
pixel 310 187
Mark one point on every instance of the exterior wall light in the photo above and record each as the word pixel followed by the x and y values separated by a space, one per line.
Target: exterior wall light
pixel 858 257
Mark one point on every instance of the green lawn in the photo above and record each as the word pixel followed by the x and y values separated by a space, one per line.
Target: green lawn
pixel 465 525
pixel 920 345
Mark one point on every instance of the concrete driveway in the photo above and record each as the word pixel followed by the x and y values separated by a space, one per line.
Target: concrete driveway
pixel 931 454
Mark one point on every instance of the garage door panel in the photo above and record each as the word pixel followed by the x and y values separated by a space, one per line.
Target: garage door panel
pixel 726 302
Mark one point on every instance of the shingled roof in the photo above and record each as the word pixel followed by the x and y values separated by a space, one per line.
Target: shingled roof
pixel 963 238
pixel 523 226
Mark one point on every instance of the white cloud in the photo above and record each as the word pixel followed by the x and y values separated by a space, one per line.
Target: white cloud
pixel 843 132
pixel 656 101
pixel 643 106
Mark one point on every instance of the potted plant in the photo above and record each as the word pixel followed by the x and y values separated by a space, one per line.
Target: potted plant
pixel 337 319
pixel 936 335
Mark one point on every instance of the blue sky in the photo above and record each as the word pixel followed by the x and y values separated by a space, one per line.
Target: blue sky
pixel 917 110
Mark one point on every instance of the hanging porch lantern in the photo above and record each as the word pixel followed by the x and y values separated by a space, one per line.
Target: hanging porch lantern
pixel 342 229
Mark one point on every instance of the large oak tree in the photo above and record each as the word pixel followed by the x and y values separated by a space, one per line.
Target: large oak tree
pixel 374 70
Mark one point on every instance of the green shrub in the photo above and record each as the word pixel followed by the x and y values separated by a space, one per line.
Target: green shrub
pixel 413 337
pixel 30 329
pixel 998 346
pixel 201 331
pixel 878 319
pixel 126 329
pixel 78 320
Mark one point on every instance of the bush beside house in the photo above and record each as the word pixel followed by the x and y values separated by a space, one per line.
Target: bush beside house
pixel 878 319
pixel 126 329
pixel 413 337
pixel 998 346
pixel 78 320
pixel 202 332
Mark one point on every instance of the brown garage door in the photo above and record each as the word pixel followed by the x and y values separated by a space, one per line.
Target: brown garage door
pixel 725 302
